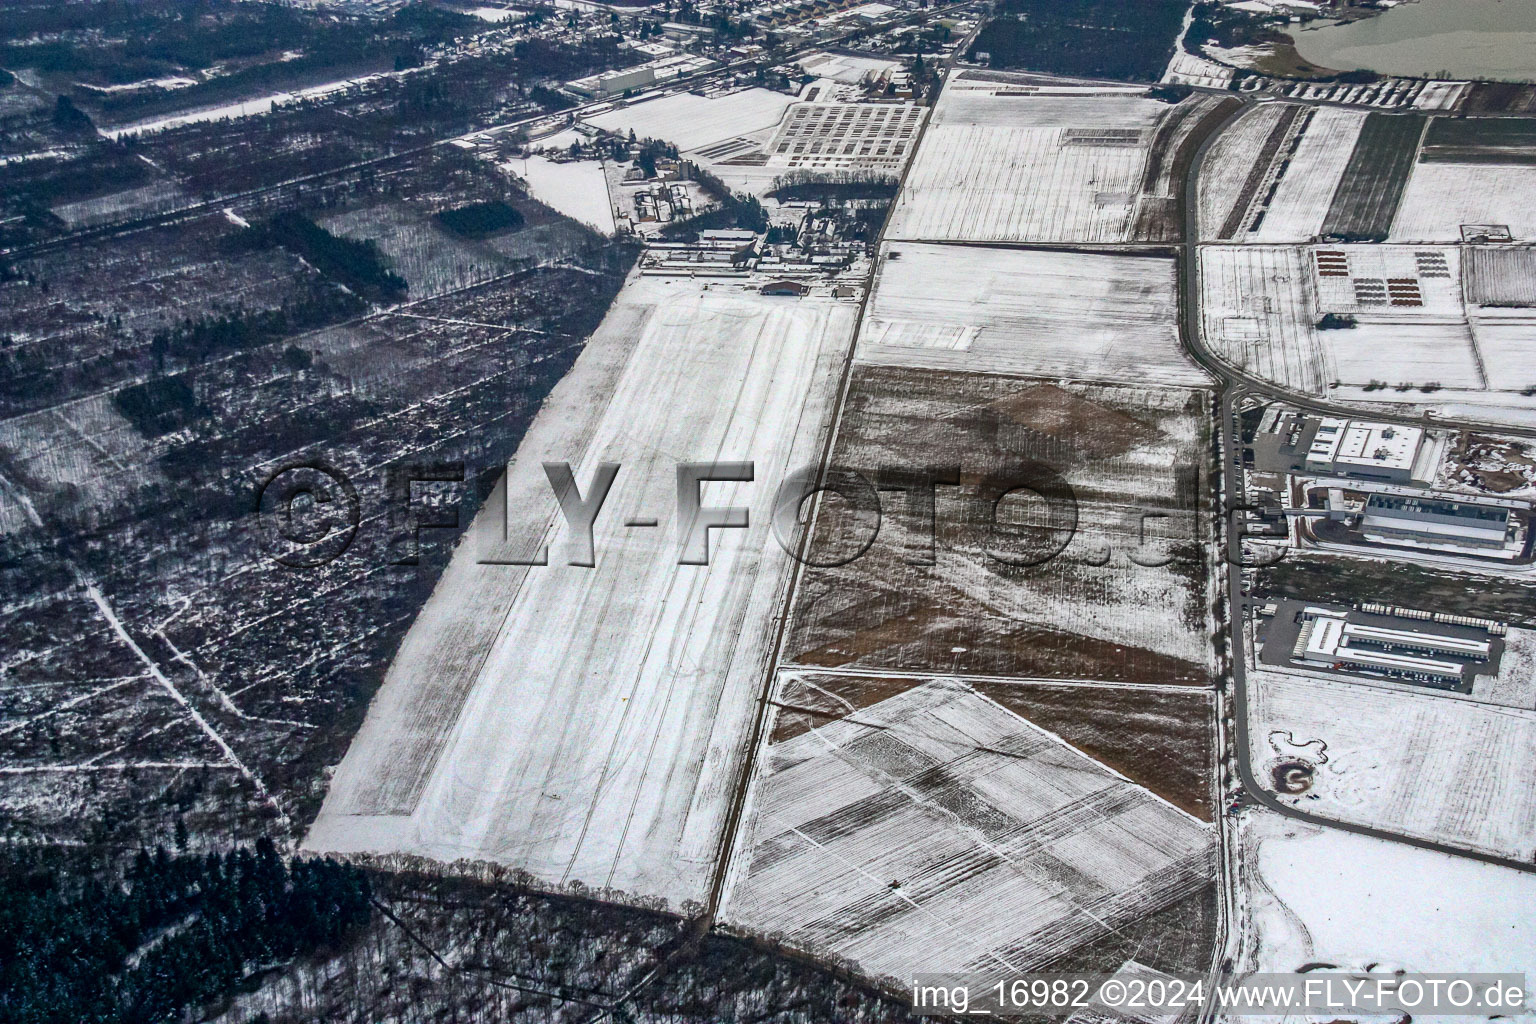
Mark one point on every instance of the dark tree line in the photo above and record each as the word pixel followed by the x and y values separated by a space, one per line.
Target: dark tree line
pixel 356 263
pixel 141 943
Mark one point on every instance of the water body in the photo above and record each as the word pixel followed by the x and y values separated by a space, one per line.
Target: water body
pixel 1433 38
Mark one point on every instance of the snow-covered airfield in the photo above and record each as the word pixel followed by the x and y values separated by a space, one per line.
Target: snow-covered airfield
pixel 589 724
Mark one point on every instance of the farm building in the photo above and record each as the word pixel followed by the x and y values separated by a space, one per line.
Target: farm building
pixel 1461 523
pixel 785 287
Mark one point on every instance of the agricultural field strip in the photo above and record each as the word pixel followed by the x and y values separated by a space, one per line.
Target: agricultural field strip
pixel 1441 194
pixel 586 833
pixel 1026 312
pixel 876 673
pixel 1122 448
pixel 1004 167
pixel 1229 162
pixel 964 804
pixel 1441 197
pixel 1376 176
pixel 1307 186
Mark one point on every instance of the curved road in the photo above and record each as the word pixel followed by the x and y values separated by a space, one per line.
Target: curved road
pixel 1236 383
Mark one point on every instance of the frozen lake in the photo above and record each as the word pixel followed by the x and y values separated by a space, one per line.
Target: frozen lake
pixel 1433 38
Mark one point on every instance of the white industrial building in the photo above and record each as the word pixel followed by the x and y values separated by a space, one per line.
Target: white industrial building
pixel 1328 638
pixel 616 83
pixel 1441 522
pixel 1374 451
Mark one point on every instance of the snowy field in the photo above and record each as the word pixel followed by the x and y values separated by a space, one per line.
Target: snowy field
pixel 938 831
pixel 576 188
pixel 1127 597
pixel 430 258
pixel 963 307
pixel 1441 197
pixel 1405 353
pixel 688 121
pixel 1496 408
pixel 85 445
pixel 1307 185
pixel 1003 164
pixel 589 725
pixel 146 199
pixel 1515 684
pixel 1421 764
pixel 1506 341
pixel 1230 161
pixel 1257 305
pixel 1322 896
pixel 1261 306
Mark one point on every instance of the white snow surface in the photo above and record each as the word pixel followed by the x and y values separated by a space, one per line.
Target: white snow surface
pixel 927 832
pixel 689 121
pixel 1306 188
pixel 1322 895
pixel 590 724
pixel 1441 197
pixel 1003 164
pixel 576 188
pixel 1052 314
pixel 1229 161
pixel 1415 763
